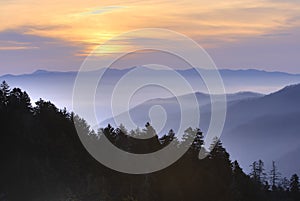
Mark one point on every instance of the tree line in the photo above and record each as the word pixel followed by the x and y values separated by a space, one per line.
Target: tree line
pixel 42 158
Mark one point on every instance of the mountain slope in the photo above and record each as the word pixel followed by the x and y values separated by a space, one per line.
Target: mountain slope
pixel 266 127
pixel 58 86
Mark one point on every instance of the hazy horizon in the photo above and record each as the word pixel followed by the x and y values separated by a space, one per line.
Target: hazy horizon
pixel 75 71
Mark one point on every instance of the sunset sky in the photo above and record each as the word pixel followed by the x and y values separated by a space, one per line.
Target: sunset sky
pixel 238 34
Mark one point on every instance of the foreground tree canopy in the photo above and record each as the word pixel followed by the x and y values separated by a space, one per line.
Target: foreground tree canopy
pixel 42 158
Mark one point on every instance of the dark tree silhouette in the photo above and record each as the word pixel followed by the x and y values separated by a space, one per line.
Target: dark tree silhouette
pixel 42 158
pixel 258 172
pixel 274 176
pixel 5 89
pixel 294 186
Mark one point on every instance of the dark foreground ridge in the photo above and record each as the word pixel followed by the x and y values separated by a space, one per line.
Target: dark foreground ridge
pixel 42 158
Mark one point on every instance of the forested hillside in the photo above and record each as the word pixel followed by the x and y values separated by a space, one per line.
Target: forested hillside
pixel 42 158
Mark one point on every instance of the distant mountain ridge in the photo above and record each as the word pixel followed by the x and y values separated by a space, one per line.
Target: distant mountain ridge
pixel 58 86
pixel 257 126
pixel 222 71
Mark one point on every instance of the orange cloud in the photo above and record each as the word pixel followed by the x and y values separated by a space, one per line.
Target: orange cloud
pixel 15 45
pixel 91 23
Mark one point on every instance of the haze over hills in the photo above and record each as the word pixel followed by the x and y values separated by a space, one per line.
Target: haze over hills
pixel 58 86
pixel 257 125
pixel 140 113
pixel 266 127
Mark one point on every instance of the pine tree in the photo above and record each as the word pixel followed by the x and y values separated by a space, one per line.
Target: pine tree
pixel 274 176
pixel 166 139
pixel 285 184
pixel 2 105
pixel 5 90
pixel 258 171
pixel 261 171
pixel 254 173
pixel 198 141
pixel 149 131
pixel 239 182
pixel 294 185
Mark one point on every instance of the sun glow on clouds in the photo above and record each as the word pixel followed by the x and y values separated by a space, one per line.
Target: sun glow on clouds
pixel 14 45
pixel 91 23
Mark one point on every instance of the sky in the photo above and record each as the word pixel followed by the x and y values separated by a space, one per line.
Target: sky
pixel 57 35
